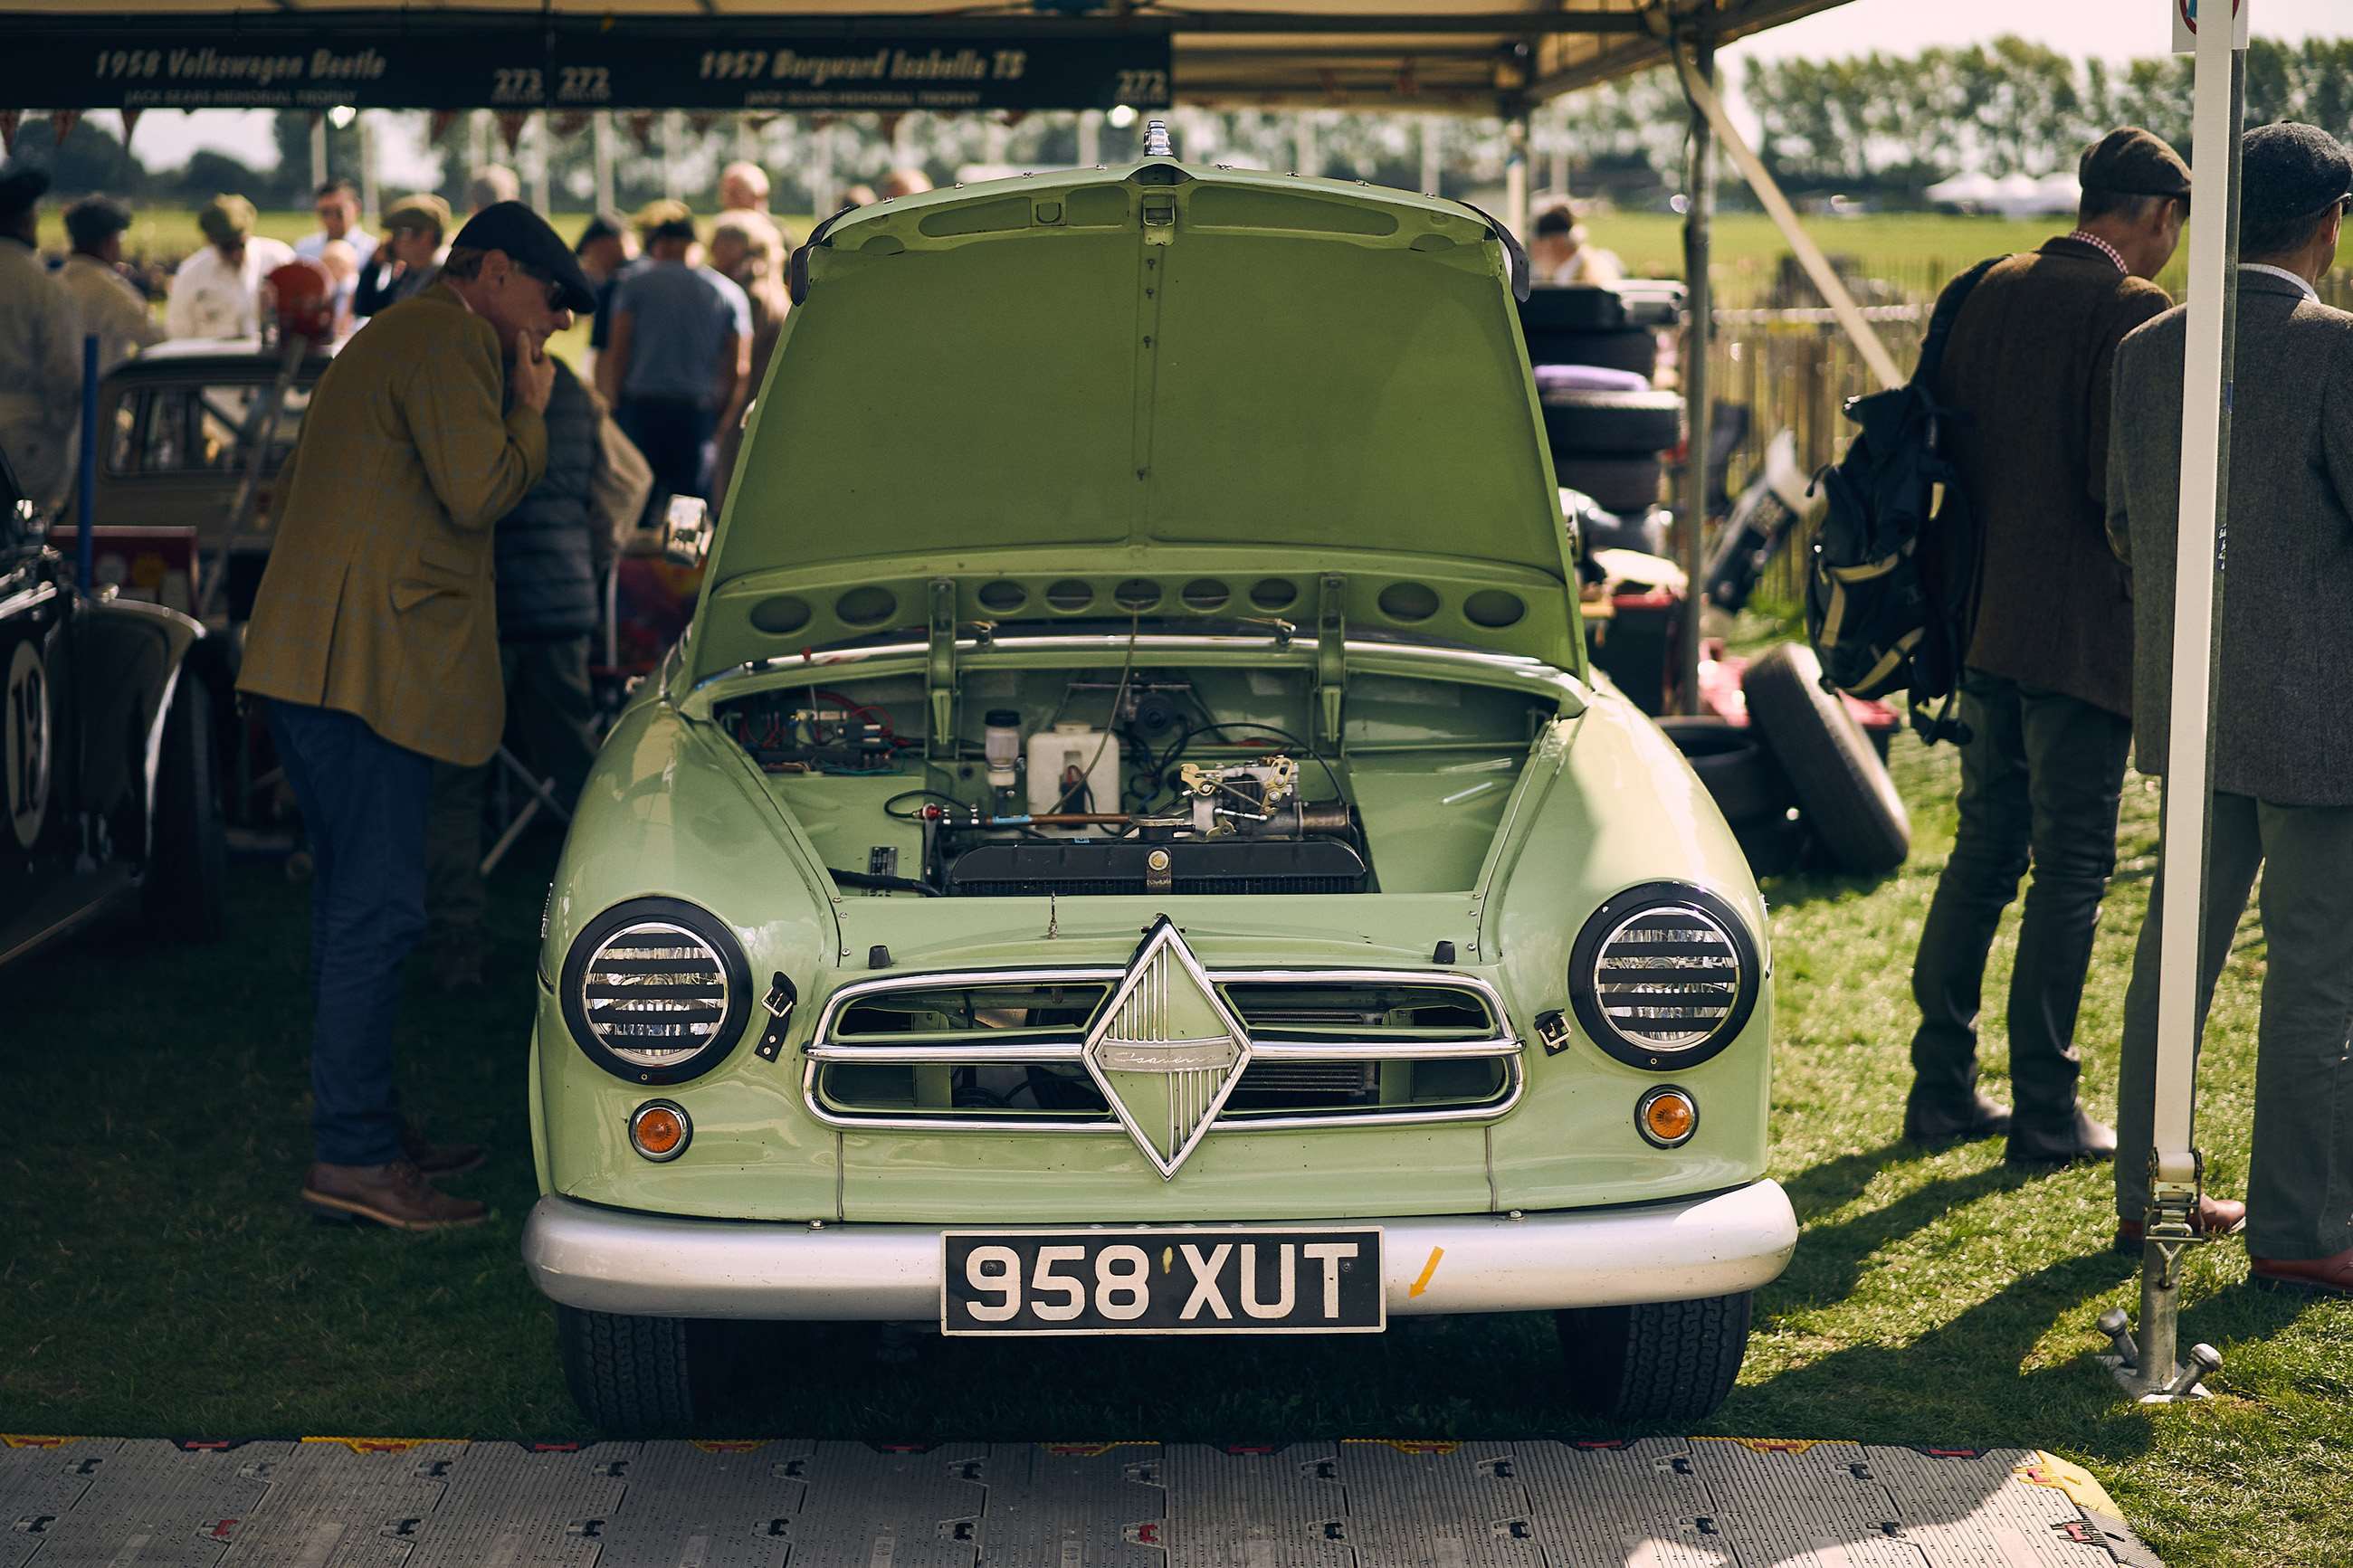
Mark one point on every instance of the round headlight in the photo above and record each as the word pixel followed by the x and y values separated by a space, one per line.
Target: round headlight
pixel 656 991
pixel 1664 974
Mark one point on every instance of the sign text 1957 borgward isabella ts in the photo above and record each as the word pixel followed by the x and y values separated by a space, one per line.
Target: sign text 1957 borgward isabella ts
pixel 1129 842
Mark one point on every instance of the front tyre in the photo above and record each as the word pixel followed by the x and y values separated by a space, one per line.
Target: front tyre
pixel 1657 1363
pixel 634 1376
pixel 186 894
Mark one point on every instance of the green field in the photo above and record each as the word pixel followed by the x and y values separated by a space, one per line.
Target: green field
pixel 160 1280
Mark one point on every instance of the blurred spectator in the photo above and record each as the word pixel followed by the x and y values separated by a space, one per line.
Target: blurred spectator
pixel 343 264
pixel 216 293
pixel 110 305
pixel 905 183
pixel 748 251
pixel 744 187
pixel 1561 251
pixel 605 246
pixel 339 219
pixel 550 554
pixel 649 217
pixel 415 228
pixel 492 184
pixel 859 196
pixel 680 350
pixel 40 349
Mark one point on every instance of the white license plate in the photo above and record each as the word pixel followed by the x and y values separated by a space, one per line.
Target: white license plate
pixel 1144 1281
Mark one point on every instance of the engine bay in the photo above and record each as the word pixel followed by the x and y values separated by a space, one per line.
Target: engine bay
pixel 1136 781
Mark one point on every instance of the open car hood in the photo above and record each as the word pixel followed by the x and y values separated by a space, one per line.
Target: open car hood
pixel 1182 395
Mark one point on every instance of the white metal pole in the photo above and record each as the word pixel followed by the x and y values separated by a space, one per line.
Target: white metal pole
pixel 542 149
pixel 1699 406
pixel 318 148
pixel 601 138
pixel 2204 508
pixel 1515 171
pixel 1433 155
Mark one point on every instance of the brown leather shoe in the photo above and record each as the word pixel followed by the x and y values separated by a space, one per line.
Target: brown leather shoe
pixel 2216 1218
pixel 394 1194
pixel 439 1159
pixel 2316 1276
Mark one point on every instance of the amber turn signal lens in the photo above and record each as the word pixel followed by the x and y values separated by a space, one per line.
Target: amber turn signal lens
pixel 1667 1117
pixel 659 1130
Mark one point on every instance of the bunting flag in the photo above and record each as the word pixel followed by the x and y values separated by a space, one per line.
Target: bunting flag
pixel 569 124
pixel 62 122
pixel 1012 117
pixel 511 125
pixel 9 120
pixel 641 126
pixel 823 122
pixel 701 125
pixel 130 123
pixel 891 127
pixel 441 123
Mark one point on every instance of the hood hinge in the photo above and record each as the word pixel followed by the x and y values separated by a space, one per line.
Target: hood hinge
pixel 940 669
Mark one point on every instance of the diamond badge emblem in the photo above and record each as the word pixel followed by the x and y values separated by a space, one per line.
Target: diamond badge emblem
pixel 1167 1051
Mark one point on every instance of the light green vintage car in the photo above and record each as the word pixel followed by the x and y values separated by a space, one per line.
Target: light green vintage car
pixel 1131 843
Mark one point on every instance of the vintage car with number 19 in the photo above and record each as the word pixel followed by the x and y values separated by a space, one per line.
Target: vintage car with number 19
pixel 1129 842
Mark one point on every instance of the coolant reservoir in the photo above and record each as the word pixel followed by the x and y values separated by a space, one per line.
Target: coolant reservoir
pixel 1001 744
pixel 1069 751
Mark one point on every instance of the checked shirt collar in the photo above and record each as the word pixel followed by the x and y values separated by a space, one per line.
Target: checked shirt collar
pixel 2085 237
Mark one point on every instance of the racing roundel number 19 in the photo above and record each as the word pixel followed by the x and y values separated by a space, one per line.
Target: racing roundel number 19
pixel 24 742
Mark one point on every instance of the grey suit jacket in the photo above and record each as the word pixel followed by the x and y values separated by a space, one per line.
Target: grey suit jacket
pixel 2282 708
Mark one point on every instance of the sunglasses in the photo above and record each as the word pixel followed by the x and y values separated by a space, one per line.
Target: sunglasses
pixel 555 294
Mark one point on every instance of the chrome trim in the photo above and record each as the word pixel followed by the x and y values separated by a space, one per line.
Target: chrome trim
pixel 821 1049
pixel 692 938
pixel 40 594
pixel 615 1260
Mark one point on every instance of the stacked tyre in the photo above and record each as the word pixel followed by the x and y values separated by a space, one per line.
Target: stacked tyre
pixel 1607 427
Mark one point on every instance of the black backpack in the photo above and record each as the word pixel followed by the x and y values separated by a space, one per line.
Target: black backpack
pixel 1891 594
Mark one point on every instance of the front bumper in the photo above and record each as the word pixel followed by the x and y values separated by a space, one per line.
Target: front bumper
pixel 645 1265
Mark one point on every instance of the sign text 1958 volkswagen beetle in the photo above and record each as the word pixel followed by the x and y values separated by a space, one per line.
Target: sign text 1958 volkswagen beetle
pixel 1130 844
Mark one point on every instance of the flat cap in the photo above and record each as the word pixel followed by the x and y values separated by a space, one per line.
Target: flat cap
pixel 530 243
pixel 2131 162
pixel 21 188
pixel 225 220
pixel 425 213
pixel 2290 174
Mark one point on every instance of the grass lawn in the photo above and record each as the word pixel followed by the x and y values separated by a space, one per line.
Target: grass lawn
pixel 159 1280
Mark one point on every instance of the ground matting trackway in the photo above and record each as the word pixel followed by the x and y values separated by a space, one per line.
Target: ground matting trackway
pixel 1659 1503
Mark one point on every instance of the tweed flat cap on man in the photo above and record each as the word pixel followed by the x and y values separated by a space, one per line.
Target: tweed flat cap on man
pixel 425 213
pixel 226 220
pixel 528 241
pixel 2291 174
pixel 2131 162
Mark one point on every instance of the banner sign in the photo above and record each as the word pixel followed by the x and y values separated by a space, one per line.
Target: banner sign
pixel 127 62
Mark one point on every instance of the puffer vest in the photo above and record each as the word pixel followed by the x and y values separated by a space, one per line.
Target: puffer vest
pixel 546 567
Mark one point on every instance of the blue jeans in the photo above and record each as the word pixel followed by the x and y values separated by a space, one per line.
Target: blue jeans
pixel 364 803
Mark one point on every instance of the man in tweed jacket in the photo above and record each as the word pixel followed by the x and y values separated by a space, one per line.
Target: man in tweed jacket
pixel 374 641
pixel 2283 754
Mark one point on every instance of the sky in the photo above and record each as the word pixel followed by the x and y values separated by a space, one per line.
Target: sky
pixel 2117 28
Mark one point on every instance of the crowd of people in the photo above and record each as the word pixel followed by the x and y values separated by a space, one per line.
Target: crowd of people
pixel 2065 366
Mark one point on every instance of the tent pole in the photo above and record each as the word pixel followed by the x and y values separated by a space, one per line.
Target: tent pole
pixel 1699 411
pixel 1516 130
pixel 601 139
pixel 318 148
pixel 2149 1370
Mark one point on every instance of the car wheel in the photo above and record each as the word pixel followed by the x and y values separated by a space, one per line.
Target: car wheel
pixel 1656 1363
pixel 1612 423
pixel 1748 785
pixel 633 1376
pixel 1842 785
pixel 1622 348
pixel 1616 484
pixel 187 889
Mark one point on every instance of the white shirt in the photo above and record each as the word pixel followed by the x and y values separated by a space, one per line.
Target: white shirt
pixel 41 372
pixel 361 242
pixel 2310 292
pixel 112 308
pixel 211 299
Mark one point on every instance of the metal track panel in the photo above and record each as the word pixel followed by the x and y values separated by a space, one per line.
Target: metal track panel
pixel 1256 1508
pixel 708 1505
pixel 1802 1504
pixel 1638 1502
pixel 1437 1505
pixel 163 1505
pixel 509 1505
pixel 881 1507
pixel 344 1504
pixel 1994 1509
pixel 41 1480
pixel 1074 1505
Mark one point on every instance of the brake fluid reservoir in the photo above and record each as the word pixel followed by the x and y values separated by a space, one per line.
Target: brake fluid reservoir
pixel 1073 768
pixel 1000 742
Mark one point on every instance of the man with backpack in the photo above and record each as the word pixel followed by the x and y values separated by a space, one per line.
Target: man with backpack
pixel 2045 683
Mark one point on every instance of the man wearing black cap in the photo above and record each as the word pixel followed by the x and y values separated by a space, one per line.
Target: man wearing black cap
pixel 2282 797
pixel 373 640
pixel 2046 691
pixel 40 349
